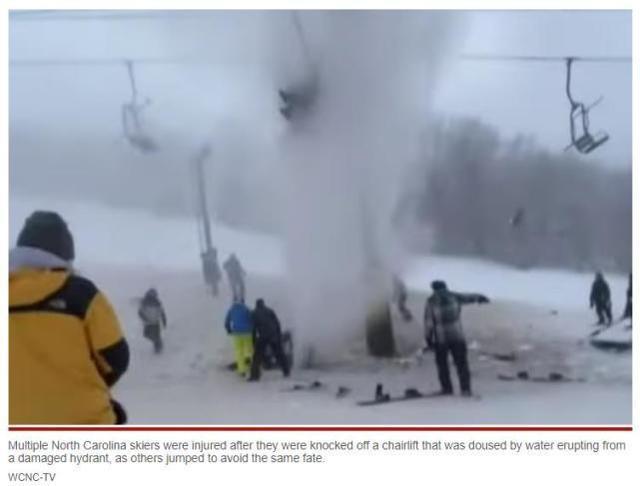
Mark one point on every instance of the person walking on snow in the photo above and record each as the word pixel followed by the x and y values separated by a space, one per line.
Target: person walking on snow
pixel 66 347
pixel 239 325
pixel 443 325
pixel 267 336
pixel 154 319
pixel 601 298
pixel 236 276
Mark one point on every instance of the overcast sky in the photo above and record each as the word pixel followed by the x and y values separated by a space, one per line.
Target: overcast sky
pixel 526 98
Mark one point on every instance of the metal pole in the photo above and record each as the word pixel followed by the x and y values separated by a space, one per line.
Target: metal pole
pixel 202 196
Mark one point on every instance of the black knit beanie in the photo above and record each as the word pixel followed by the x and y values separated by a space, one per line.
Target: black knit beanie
pixel 47 231
pixel 438 286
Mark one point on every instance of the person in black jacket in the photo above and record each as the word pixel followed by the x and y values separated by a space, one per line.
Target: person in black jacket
pixel 154 319
pixel 627 307
pixel 601 298
pixel 267 336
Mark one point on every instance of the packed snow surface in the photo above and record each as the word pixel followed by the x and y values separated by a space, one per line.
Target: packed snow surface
pixel 540 316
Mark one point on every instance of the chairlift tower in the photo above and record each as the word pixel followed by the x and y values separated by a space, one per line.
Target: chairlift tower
pixel 208 254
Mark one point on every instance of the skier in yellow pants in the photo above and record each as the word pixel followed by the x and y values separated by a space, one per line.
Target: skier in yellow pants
pixel 239 325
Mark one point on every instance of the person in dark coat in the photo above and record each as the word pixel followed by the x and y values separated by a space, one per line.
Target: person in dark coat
pixel 267 336
pixel 627 307
pixel 236 276
pixel 601 298
pixel 443 327
pixel 154 319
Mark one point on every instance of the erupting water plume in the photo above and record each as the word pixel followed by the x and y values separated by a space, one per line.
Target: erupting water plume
pixel 344 161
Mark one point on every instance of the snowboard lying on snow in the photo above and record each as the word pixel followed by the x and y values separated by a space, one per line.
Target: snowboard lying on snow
pixel 552 377
pixel 409 394
pixel 617 337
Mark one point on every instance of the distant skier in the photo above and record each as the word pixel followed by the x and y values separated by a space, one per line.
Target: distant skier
pixel 236 276
pixel 517 219
pixel 400 296
pixel 444 327
pixel 66 347
pixel 154 319
pixel 627 307
pixel 267 337
pixel 601 298
pixel 239 324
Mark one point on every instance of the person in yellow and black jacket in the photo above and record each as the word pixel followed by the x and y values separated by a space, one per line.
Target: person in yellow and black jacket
pixel 66 347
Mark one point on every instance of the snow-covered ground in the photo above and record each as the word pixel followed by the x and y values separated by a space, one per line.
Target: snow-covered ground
pixel 539 315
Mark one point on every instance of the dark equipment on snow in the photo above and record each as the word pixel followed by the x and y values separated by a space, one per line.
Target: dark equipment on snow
pixel 583 141
pixel 616 338
pixel 409 394
pixel 131 112
pixel 313 385
pixel 552 377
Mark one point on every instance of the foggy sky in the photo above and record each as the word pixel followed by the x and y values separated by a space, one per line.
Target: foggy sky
pixel 238 82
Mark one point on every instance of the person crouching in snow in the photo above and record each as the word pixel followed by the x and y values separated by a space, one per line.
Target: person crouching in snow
pixel 154 319
pixel 267 335
pixel 66 347
pixel 442 322
pixel 239 325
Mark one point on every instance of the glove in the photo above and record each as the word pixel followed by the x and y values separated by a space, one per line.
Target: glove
pixel 430 340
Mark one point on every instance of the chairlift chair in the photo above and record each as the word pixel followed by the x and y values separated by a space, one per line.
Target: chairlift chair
pixel 298 99
pixel 131 112
pixel 584 142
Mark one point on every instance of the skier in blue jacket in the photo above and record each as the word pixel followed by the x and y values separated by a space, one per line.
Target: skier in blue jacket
pixel 239 325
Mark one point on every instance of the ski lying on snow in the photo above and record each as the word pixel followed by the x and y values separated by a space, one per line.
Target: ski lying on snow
pixel 411 396
pixel 551 378
pixel 312 385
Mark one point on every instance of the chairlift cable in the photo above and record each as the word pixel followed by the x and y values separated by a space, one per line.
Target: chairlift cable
pixel 51 62
pixel 494 57
pixel 101 15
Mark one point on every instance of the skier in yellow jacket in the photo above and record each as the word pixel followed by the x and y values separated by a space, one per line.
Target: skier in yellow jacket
pixel 66 347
